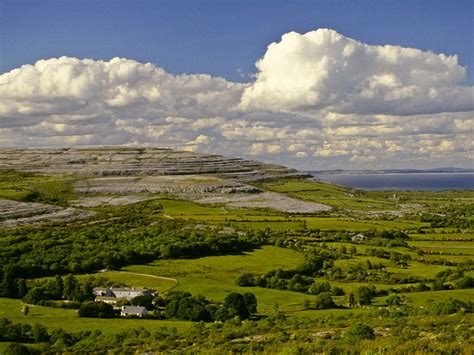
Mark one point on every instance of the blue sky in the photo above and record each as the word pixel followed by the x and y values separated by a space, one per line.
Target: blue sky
pixel 221 38
pixel 309 84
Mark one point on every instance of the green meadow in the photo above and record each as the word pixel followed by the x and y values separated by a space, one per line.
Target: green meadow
pixel 68 320
pixel 192 255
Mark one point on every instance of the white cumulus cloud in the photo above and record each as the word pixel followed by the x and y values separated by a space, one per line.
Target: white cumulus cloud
pixel 318 100
pixel 322 69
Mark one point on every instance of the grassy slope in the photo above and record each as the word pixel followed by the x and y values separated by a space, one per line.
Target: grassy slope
pixel 68 319
pixel 214 277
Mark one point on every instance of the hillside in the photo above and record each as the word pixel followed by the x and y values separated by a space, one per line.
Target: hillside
pixel 88 177
pixel 318 262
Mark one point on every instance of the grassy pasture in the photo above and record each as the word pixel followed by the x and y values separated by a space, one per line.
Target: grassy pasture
pixel 214 277
pixel 68 320
pixel 332 195
pixel 30 187
pixel 444 236
pixel 258 225
pixel 362 248
pixel 138 281
pixel 414 268
pixel 448 247
pixel 452 258
pixel 426 298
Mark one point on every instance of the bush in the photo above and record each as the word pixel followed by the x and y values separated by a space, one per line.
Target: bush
pixel 360 331
pixel 320 287
pixel 93 309
pixel 17 349
pixel 324 301
pixel 365 294
pixel 449 306
pixel 465 282
pixel 394 300
pixel 245 280
pixel 338 291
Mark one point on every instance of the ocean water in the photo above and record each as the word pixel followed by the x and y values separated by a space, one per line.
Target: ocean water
pixel 403 181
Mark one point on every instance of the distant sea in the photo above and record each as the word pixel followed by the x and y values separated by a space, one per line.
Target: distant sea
pixel 401 181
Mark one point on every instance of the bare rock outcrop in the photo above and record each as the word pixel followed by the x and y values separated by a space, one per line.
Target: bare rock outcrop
pixel 124 161
pixel 15 213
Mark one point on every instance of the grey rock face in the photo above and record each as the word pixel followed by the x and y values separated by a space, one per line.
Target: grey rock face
pixel 14 213
pixel 136 174
pixel 123 161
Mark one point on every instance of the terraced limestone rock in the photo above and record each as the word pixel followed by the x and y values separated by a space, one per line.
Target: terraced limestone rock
pixel 15 213
pixel 124 161
pixel 130 175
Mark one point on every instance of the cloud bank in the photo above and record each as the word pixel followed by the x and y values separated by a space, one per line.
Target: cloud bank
pixel 319 100
pixel 324 70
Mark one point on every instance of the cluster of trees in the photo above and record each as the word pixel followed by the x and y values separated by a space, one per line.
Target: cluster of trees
pixel 300 279
pixel 442 308
pixel 452 279
pixel 454 218
pixel 25 333
pixel 182 305
pixel 133 238
pixel 364 295
pixel 350 333
pixel 43 292
pixel 93 309
pixel 395 257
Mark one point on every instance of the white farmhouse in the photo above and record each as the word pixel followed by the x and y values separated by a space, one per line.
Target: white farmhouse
pixel 133 311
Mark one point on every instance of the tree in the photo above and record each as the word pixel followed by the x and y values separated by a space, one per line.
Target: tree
pixel 25 309
pixel 465 282
pixel 360 331
pixel 143 301
pixel 338 291
pixel 365 294
pixel 70 287
pixel 194 309
pixel 9 285
pixel 22 288
pixel 250 302
pixel 59 289
pixel 16 349
pixel 96 310
pixel 351 300
pixel 234 303
pixel 394 300
pixel 320 287
pixel 311 265
pixel 87 291
pixel 245 280
pixel 35 295
pixel 40 333
pixel 324 301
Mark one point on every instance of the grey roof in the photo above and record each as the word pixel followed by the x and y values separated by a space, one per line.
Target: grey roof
pixel 133 309
pixel 126 289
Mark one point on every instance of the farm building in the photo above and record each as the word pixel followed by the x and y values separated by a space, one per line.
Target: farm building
pixel 127 293
pixel 133 311
pixel 106 299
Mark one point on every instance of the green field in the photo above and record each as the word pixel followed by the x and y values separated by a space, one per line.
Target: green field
pixel 170 244
pixel 332 195
pixel 69 321
pixel 443 236
pixel 214 277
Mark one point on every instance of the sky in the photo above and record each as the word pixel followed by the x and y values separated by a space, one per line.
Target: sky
pixel 310 84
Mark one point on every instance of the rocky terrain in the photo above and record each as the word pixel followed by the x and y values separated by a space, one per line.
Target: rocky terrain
pixel 15 213
pixel 122 175
pixel 123 161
